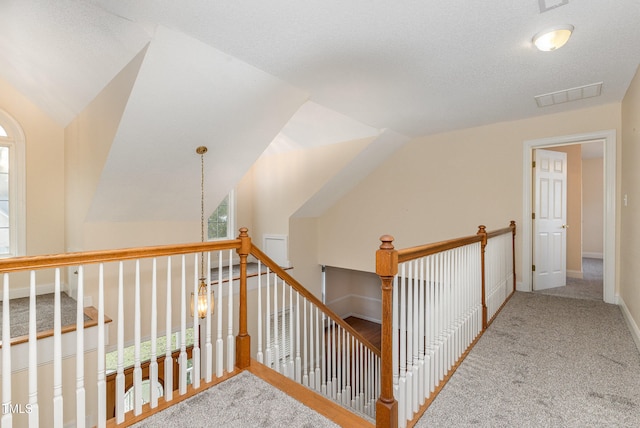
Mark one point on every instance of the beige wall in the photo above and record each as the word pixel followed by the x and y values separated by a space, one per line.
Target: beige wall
pixel 442 186
pixel 629 254
pixel 354 293
pixel 592 207
pixel 574 208
pixel 283 182
pixel 45 186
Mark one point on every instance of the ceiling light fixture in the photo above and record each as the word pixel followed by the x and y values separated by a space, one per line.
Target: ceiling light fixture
pixel 553 38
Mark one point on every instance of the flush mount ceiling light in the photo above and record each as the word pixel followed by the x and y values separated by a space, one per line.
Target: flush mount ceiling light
pixel 553 38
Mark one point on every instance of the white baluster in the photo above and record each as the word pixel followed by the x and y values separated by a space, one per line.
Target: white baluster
pixel 33 353
pixel 268 350
pixel 421 333
pixel 283 336
pixel 319 331
pixel 219 341
pixel 305 356
pixel 195 351
pixel 7 418
pixel 120 345
pixel 259 355
pixel 291 342
pixel 334 375
pixel 208 374
pixel 283 349
pixel 323 372
pixel 402 397
pixel 80 392
pixel 298 362
pixel 168 357
pixel 231 353
pixel 276 343
pixel 102 381
pixel 182 358
pixel 137 369
pixel 153 358
pixel 339 353
pixel 57 355
pixel 312 326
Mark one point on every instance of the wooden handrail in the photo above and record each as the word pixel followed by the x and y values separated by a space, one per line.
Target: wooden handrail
pixel 17 264
pixel 387 261
pixel 413 253
pixel 257 253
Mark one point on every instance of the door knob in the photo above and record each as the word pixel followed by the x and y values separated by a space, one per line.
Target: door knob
pixel 565 226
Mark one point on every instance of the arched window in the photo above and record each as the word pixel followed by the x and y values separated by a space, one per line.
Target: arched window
pixel 12 192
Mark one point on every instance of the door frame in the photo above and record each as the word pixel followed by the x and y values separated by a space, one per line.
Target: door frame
pixel 609 215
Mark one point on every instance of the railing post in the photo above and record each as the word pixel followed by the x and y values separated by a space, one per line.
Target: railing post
pixel 482 230
pixel 243 340
pixel 512 225
pixel 387 268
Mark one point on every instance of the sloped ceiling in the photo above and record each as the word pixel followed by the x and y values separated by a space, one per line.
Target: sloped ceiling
pixel 230 75
pixel 188 94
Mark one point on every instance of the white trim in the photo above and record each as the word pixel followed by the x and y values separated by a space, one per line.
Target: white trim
pixel 364 317
pixel 633 326
pixel 17 183
pixel 609 137
pixel 20 352
pixel 20 292
pixel 589 255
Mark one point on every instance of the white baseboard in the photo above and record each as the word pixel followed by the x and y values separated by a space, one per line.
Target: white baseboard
pixel 588 255
pixel 633 326
pixel 574 274
pixel 364 317
pixel 19 292
pixel 343 306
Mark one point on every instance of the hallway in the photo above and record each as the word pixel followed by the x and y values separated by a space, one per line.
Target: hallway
pixel 589 287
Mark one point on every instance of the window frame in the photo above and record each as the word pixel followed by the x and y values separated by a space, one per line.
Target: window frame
pixel 231 218
pixel 15 142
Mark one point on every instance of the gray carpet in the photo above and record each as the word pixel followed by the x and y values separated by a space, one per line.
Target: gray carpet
pixel 546 362
pixel 589 287
pixel 19 311
pixel 242 401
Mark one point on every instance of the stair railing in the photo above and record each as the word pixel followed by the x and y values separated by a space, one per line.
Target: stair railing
pixel 144 290
pixel 437 300
pixel 301 338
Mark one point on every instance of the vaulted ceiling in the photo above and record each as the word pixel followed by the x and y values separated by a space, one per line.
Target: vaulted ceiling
pixel 236 76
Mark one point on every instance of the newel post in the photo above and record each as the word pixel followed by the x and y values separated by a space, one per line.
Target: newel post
pixel 243 340
pixel 482 231
pixel 387 268
pixel 512 225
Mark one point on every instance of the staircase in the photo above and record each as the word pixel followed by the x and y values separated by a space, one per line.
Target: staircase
pixel 437 299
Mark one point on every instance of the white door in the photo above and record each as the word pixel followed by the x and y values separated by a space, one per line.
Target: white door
pixel 550 220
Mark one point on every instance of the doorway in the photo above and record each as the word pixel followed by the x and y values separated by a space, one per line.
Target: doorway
pixel 609 209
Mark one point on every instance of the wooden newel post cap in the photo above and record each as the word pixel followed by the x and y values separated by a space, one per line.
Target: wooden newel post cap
pixel 482 229
pixel 243 232
pixel 386 258
pixel 387 242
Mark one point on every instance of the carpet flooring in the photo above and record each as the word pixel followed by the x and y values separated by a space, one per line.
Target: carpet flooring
pixel 19 311
pixel 240 402
pixel 589 287
pixel 546 361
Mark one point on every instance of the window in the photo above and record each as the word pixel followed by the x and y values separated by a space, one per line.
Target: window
pixel 220 223
pixel 12 178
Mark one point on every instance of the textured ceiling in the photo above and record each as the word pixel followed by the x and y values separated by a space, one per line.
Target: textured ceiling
pixel 234 76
